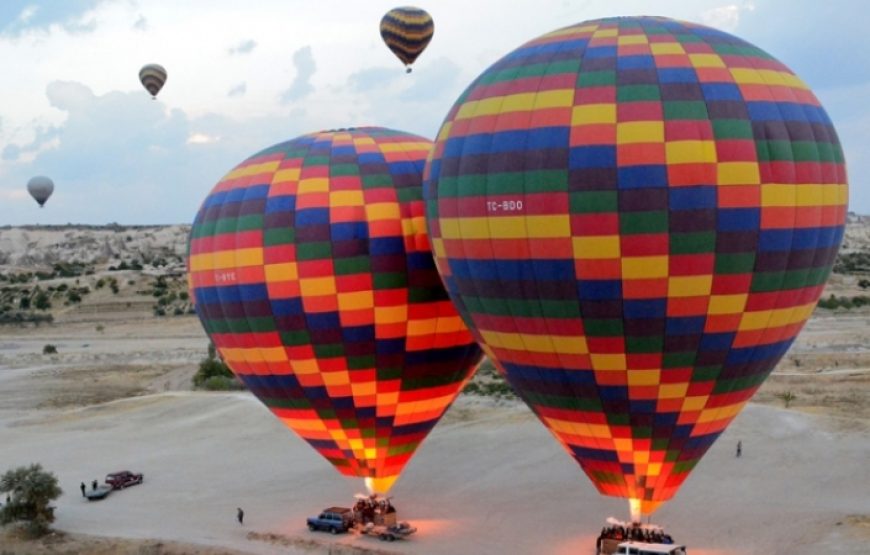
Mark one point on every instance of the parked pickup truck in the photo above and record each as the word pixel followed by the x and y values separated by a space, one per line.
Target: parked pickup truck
pixel 122 479
pixel 332 520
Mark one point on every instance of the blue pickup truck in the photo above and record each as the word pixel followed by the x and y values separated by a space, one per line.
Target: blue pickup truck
pixel 332 520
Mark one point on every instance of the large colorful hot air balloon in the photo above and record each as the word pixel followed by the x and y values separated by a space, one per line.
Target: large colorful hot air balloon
pixel 153 77
pixel 635 217
pixel 40 188
pixel 312 274
pixel 407 31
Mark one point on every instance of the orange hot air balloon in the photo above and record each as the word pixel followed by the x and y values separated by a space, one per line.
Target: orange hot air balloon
pixel 312 274
pixel 635 217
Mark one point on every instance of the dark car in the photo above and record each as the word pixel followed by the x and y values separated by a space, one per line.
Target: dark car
pixel 100 492
pixel 333 520
pixel 122 479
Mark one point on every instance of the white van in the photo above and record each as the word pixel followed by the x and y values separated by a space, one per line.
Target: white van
pixel 640 548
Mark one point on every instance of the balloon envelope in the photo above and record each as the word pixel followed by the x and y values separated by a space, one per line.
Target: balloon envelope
pixel 40 188
pixel 312 274
pixel 635 217
pixel 407 31
pixel 153 77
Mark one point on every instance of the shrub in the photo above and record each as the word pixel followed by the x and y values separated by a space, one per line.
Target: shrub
pixel 833 302
pixel 41 301
pixel 787 398
pixel 49 349
pixel 222 383
pixel 212 367
pixel 852 262
pixel 30 490
pixel 472 388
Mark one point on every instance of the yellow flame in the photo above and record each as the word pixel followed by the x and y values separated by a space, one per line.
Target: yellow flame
pixel 379 485
pixel 634 509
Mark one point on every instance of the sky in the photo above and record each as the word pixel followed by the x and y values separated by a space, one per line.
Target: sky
pixel 247 75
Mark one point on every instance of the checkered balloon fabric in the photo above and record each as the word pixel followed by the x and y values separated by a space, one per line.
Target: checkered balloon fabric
pixel 635 217
pixel 312 274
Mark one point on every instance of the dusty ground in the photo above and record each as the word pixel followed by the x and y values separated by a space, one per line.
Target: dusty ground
pixel 490 479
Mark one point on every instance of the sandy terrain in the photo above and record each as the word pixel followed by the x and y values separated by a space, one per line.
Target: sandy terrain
pixel 489 479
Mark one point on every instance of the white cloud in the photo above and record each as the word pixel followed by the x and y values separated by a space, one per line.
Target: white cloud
pixel 244 47
pixel 13 194
pixel 27 14
pixel 68 95
pixel 725 18
pixel 141 23
pixel 238 90
pixel 201 139
pixel 305 66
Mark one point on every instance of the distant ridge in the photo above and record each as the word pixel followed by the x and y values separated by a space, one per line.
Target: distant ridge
pixel 41 246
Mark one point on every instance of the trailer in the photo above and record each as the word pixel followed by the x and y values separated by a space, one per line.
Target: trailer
pixel 387 533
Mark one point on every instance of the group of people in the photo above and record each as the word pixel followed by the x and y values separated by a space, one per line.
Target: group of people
pixel 366 509
pixel 84 488
pixel 634 533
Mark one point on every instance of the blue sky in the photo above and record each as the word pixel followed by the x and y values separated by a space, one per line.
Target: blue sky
pixel 243 76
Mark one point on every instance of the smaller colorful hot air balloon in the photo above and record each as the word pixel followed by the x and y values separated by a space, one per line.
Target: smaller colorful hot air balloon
pixel 313 276
pixel 407 31
pixel 40 188
pixel 153 77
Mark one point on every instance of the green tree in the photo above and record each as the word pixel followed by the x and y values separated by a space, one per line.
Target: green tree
pixel 41 302
pixel 787 398
pixel 30 490
pixel 213 373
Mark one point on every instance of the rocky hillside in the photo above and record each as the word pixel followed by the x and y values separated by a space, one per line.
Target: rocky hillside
pixel 857 238
pixel 92 273
pixel 39 248
pixel 75 273
pixel 42 247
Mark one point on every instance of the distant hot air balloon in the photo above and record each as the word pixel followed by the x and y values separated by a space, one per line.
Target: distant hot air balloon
pixel 312 274
pixel 40 188
pixel 635 217
pixel 407 31
pixel 153 77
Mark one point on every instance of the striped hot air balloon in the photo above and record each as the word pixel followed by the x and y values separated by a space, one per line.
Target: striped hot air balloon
pixel 635 217
pixel 407 31
pixel 312 274
pixel 153 77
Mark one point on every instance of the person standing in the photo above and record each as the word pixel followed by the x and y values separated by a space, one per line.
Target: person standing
pixel 83 487
pixel 739 448
pixel 240 515
pixel 94 485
